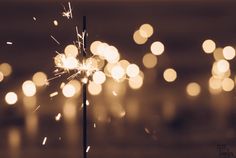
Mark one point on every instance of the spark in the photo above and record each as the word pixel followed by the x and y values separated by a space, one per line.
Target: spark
pixel 58 117
pixel 36 109
pixel 55 22
pixel 62 85
pixel 34 18
pixel 88 148
pixel 44 141
pixel 94 125
pixel 9 43
pixel 59 138
pixel 53 94
pixel 147 131
pixel 114 93
pixel 55 39
pixel 67 13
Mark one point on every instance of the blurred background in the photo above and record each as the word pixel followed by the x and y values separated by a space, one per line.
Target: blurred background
pixel 171 95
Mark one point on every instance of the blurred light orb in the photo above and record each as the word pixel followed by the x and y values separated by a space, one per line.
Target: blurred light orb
pixel 208 46
pixel 149 60
pixel 157 48
pixel 218 54
pixel 102 49
pixel 215 83
pixel 1 76
pixel 227 84
pixel 40 79
pixel 77 86
pixel 70 63
pixel 132 70
pixel 222 66
pixel 99 77
pixel 6 69
pixel 71 51
pixel 112 55
pixel 193 89
pixel 29 88
pixel 94 89
pixel 138 38
pixel 146 30
pixel 136 82
pixel 229 52
pixel 11 98
pixel 170 75
pixel 117 72
pixel 68 90
pixel 58 60
pixel 124 64
pixel 94 47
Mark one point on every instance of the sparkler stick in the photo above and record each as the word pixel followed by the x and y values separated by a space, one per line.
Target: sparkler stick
pixel 84 94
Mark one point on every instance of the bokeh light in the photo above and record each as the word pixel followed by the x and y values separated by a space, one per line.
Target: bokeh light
pixel 117 72
pixel 138 38
pixel 68 90
pixel 146 30
pixel 227 84
pixel 77 85
pixel 193 89
pixel 1 76
pixel 11 98
pixel 136 82
pixel 170 75
pixel 157 48
pixel 71 51
pixel 218 54
pixel 40 79
pixel 208 46
pixel 229 52
pixel 149 60
pixel 99 77
pixel 222 66
pixel 6 69
pixel 94 89
pixel 29 88
pixel 132 70
pixel 94 47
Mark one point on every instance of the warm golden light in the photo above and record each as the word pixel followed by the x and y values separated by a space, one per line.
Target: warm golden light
pixel 29 88
pixel 11 98
pixel 170 75
pixel 94 47
pixel 132 70
pixel 71 51
pixel 77 85
pixel 101 49
pixel 68 90
pixel 218 54
pixel 229 52
pixel 193 89
pixel 94 89
pixel 146 30
pixel 99 77
pixel 6 69
pixel 40 79
pixel 149 60
pixel 138 38
pixel 117 72
pixel 1 76
pixel 214 83
pixel 227 84
pixel 208 46
pixel 111 54
pixel 136 82
pixel 222 65
pixel 69 111
pixel 70 63
pixel 157 48
pixel 124 64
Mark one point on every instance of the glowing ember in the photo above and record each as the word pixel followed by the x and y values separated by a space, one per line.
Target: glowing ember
pixel 58 117
pixel 9 43
pixel 88 148
pixel 53 94
pixel 36 108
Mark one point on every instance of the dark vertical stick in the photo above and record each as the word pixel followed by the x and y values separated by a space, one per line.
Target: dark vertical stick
pixel 84 94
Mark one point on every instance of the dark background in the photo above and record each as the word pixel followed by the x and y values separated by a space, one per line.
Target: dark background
pixel 166 123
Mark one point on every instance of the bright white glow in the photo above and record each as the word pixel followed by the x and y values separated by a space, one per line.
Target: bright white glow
pixel 117 72
pixel 170 75
pixel 70 63
pixel 68 90
pixel 29 88
pixel 111 54
pixel 1 76
pixel 71 51
pixel 94 47
pixel 99 77
pixel 222 65
pixel 229 52
pixel 136 82
pixel 157 48
pixel 11 98
pixel 208 46
pixel 132 70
